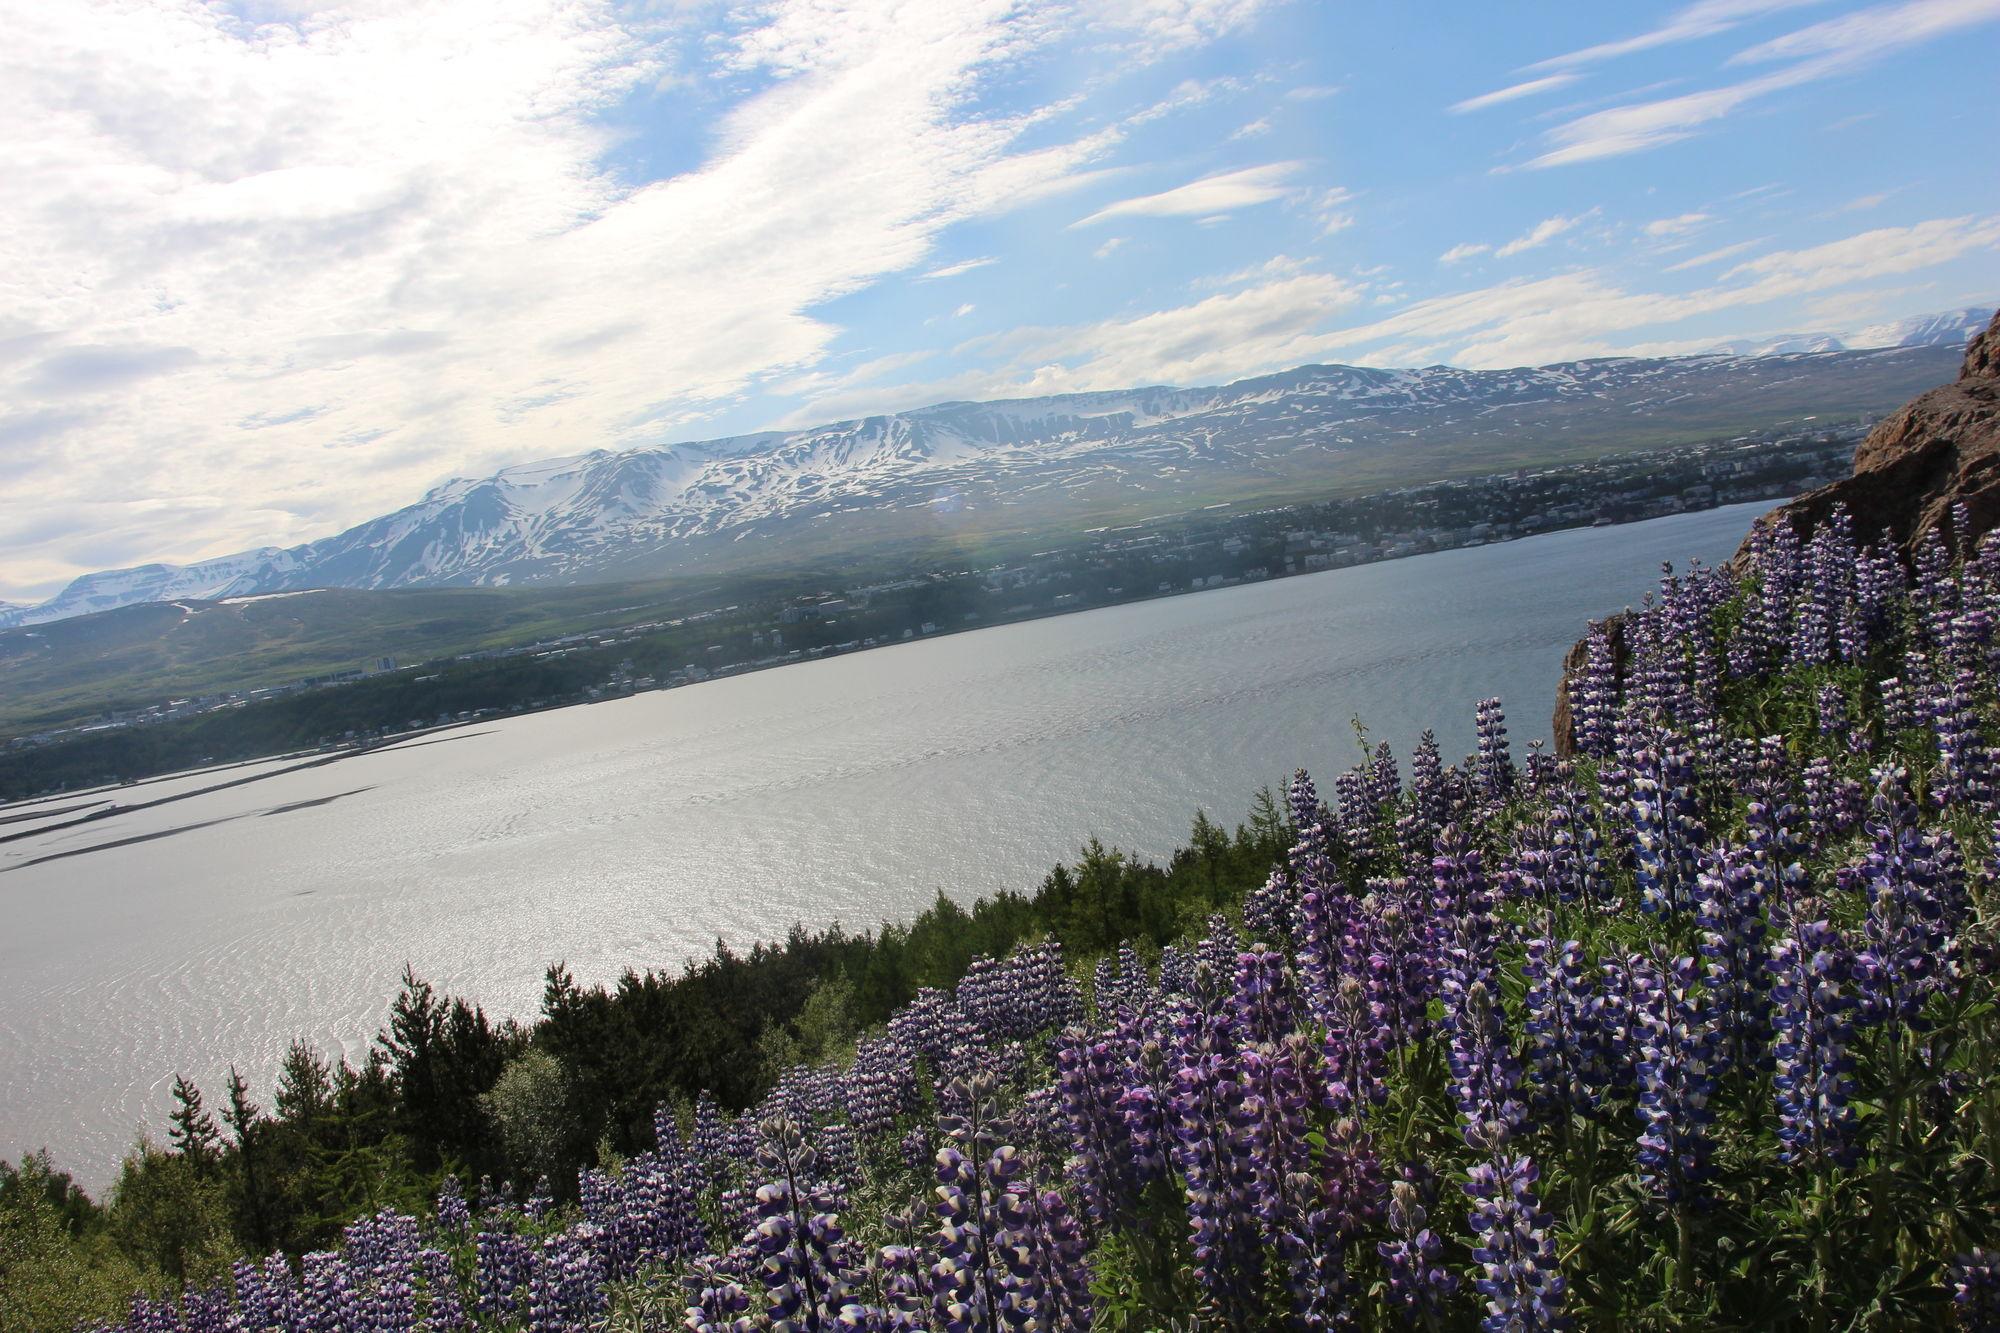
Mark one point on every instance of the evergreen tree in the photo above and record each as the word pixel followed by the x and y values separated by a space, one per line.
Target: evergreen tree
pixel 193 1132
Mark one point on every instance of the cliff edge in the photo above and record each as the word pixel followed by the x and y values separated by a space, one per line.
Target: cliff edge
pixel 1940 450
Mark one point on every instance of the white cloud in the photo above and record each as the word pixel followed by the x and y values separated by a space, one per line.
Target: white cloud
pixel 1264 327
pixel 1538 235
pixel 964 310
pixel 1312 92
pixel 1166 24
pixel 1872 254
pixel 1689 23
pixel 1330 209
pixel 1870 32
pixel 962 266
pixel 1211 196
pixel 1458 254
pixel 1714 256
pixel 386 238
pixel 1820 51
pixel 1677 226
pixel 1187 94
pixel 1548 83
pixel 1587 313
pixel 1260 126
pixel 1110 246
pixel 1287 316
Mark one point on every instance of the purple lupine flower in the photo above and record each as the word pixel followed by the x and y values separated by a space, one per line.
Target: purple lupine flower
pixel 1215 959
pixel 566 1283
pixel 1593 694
pixel 1267 1121
pixel 881 1085
pixel 1264 1003
pixel 1965 758
pixel 1356 814
pixel 1047 1282
pixel 1496 764
pixel 1226 1244
pixel 253 1297
pixel 1420 1287
pixel 1143 1107
pixel 149 1316
pixel 1385 782
pixel 708 1146
pixel 1396 960
pixel 381 1254
pixel 1814 998
pixel 899 1274
pixel 1834 724
pixel 1915 884
pixel 1935 593
pixel 281 1292
pixel 1975 1290
pixel 502 1262
pixel 1566 1055
pixel 1731 919
pixel 1027 993
pixel 934 1026
pixel 1463 925
pixel 1269 911
pixel 1676 1048
pixel 1428 796
pixel 1485 1076
pixel 1176 976
pixel 1667 831
pixel 1518 1276
pixel 452 1214
pixel 717 1302
pixel 1091 1084
pixel 444 1309
pixel 969 1282
pixel 805 1263
pixel 327 1300
pixel 208 1311
pixel 1834 805
pixel 1898 714
pixel 1355 1051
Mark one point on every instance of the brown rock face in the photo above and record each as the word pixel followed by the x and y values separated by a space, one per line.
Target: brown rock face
pixel 1941 450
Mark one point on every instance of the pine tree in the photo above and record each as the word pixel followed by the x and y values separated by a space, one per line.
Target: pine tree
pixel 193 1134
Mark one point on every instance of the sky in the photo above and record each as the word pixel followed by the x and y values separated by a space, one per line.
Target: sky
pixel 269 269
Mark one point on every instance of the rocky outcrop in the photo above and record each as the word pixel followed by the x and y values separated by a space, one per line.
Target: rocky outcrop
pixel 1940 451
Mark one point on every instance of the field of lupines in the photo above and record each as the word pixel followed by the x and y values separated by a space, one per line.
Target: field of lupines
pixel 1694 1030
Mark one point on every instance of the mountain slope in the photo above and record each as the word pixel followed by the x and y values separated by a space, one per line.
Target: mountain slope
pixel 1950 328
pixel 974 472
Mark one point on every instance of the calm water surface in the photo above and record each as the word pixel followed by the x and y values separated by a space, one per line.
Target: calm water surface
pixel 633 833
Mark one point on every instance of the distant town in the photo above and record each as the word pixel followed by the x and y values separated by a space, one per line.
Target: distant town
pixel 1213 548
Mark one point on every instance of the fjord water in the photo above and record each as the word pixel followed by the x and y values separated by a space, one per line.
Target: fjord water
pixel 633 833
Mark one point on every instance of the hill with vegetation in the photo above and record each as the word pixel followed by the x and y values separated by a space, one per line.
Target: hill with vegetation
pixel 1693 1027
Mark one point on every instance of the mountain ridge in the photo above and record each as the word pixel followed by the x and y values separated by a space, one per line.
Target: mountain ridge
pixel 604 514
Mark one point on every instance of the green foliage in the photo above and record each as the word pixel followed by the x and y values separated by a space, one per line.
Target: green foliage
pixel 169 1218
pixel 58 1266
pixel 530 1106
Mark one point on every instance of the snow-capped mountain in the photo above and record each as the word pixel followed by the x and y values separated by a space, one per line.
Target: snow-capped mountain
pixel 1062 461
pixel 1785 344
pixel 1953 328
pixel 1950 328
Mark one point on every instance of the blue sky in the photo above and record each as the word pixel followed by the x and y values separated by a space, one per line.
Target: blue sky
pixel 274 268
